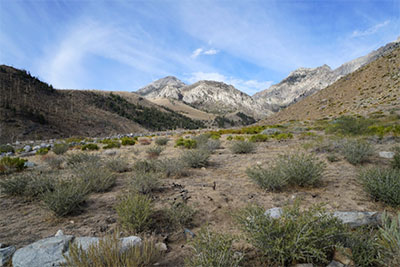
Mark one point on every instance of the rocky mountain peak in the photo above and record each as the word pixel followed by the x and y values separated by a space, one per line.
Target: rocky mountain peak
pixel 167 87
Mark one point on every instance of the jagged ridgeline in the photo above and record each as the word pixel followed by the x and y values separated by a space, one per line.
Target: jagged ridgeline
pixel 32 109
pixel 149 117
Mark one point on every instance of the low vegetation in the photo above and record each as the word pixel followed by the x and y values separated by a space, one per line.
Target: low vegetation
pixel 145 182
pixel 10 164
pixel 356 151
pixel 242 147
pixel 60 149
pixel 154 152
pixel 127 141
pixel 186 143
pixel 96 177
pixel 162 141
pixel 196 158
pixel 90 147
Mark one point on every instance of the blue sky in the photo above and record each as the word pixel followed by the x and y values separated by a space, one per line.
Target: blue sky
pixel 124 45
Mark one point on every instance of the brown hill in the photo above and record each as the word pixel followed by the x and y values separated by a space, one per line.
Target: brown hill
pixel 372 88
pixel 31 109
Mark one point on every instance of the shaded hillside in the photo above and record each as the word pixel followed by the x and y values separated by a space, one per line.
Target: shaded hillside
pixel 372 88
pixel 31 109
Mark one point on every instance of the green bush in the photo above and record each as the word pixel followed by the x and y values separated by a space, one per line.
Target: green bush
pixel 54 162
pixel 186 143
pixel 90 147
pixel 180 214
pixel 212 249
pixel 239 138
pixel 135 212
pixel 109 252
pixel 127 141
pixel 229 138
pixel 172 167
pixel 332 158
pixel 396 158
pixel 145 166
pixel 112 144
pixel 389 238
pixel 242 147
pixel 283 136
pixel 66 197
pixel 211 145
pixel 78 158
pixel 42 151
pixel 145 182
pixel 356 151
pixel 348 125
pixel 162 141
pixel 154 152
pixel 117 164
pixel 12 164
pixel 96 177
pixel 60 149
pixel 271 179
pixel 196 158
pixel 6 148
pixel 258 138
pixel 14 186
pixel 382 184
pixel 29 185
pixel 308 236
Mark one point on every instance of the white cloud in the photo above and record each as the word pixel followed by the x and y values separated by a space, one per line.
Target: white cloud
pixel 370 30
pixel 201 51
pixel 248 86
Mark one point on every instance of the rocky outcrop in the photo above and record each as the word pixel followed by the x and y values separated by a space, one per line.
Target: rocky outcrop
pixel 168 87
pixel 306 81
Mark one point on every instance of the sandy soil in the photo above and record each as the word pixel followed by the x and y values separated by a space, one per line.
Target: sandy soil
pixel 24 222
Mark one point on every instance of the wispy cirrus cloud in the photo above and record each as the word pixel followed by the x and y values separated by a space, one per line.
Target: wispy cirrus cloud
pixel 249 86
pixel 371 30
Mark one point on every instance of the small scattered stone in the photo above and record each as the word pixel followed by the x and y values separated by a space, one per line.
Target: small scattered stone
pixel 29 164
pixel 27 148
pixel 130 241
pixel 110 152
pixel 161 247
pixel 203 168
pixel 335 264
pixel 35 148
pixel 59 233
pixel 357 218
pixel 386 154
pixel 343 256
pixel 274 213
pixel 6 254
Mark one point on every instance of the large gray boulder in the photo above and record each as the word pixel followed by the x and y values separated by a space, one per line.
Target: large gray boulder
pixel 46 252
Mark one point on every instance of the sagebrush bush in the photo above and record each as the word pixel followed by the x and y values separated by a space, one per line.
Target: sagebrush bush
pixel 95 176
pixel 30 185
pixel 389 239
pixel 145 166
pixel 242 147
pixel 382 184
pixel 54 162
pixel 14 186
pixel 348 125
pixel 180 214
pixel 162 141
pixel 154 152
pixel 60 149
pixel 66 197
pixel 90 147
pixel 10 164
pixel 210 145
pixel 109 251
pixel 78 158
pixel 356 151
pixel 6 148
pixel 332 158
pixel 117 164
pixel 212 249
pixel 396 158
pixel 145 182
pixel 135 212
pixel 308 236
pixel 196 158
pixel 172 167
pixel 127 141
pixel 270 178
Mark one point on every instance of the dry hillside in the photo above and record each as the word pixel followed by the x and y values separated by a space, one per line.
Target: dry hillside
pixel 372 88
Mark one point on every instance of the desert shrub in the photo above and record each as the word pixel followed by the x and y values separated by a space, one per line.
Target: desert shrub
pixel 332 158
pixel 135 212
pixel 12 164
pixel 212 249
pixel 210 145
pixel 389 238
pixel 90 147
pixel 60 149
pixel 229 138
pixel 365 248
pixel 53 161
pixel 258 138
pixel 96 177
pixel 239 138
pixel 172 167
pixel 38 184
pixel 270 179
pixel 161 141
pixel 42 151
pixel 307 236
pixel 144 141
pixel 396 158
pixel 145 182
pixel 196 158
pixel 348 125
pixel 180 214
pixel 127 141
pixel 66 197
pixel 283 136
pixel 186 143
pixel 242 147
pixel 6 148
pixel 117 164
pixel 154 152
pixel 14 186
pixel 201 139
pixel 110 252
pixel 145 166
pixel 78 158
pixel 382 184
pixel 112 144
pixel 356 151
